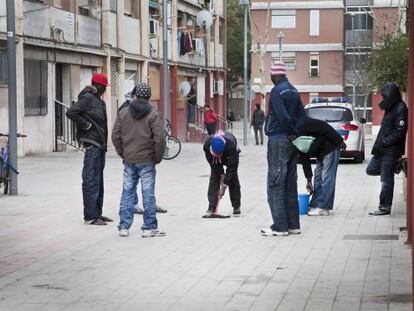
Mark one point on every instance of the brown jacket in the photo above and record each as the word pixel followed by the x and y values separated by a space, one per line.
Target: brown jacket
pixel 138 134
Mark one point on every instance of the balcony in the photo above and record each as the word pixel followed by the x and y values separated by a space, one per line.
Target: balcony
pixel 358 38
pixel 50 23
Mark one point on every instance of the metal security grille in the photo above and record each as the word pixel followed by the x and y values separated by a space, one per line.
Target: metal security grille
pixel 35 87
pixel 3 67
pixel 114 77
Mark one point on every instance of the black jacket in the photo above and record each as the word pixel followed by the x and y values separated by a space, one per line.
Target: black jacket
pixel 392 134
pixel 229 158
pixel 258 117
pixel 326 141
pixel 89 115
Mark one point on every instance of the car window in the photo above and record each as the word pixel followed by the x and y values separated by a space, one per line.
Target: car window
pixel 330 114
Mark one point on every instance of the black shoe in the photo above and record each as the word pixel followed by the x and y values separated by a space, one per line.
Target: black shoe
pixel 106 219
pixel 381 212
pixel 236 211
pixel 96 222
pixel 161 210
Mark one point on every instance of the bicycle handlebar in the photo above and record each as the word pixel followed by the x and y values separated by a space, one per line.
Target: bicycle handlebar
pixel 7 135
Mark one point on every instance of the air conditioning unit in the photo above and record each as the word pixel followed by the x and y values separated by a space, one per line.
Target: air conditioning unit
pixel 154 27
pixel 215 87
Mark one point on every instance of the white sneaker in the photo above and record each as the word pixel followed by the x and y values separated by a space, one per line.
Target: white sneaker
pixel 318 212
pixel 325 212
pixel 312 210
pixel 123 233
pixel 270 232
pixel 152 233
pixel 294 231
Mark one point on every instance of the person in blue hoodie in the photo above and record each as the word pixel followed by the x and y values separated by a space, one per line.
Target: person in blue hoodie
pixel 286 112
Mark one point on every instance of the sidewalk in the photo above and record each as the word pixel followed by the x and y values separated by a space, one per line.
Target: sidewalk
pixel 49 260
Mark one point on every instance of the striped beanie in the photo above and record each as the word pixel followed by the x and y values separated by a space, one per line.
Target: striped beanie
pixel 278 69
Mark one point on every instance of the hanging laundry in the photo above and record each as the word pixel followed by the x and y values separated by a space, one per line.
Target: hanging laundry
pixel 188 43
pixel 182 44
pixel 201 48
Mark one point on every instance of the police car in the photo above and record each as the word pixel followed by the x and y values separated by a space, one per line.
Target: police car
pixel 340 114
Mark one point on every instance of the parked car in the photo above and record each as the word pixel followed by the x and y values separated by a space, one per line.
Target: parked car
pixel 340 114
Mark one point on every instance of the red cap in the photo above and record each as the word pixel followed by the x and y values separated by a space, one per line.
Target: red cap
pixel 100 78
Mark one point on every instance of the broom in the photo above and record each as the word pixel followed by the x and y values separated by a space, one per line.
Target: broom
pixel 214 214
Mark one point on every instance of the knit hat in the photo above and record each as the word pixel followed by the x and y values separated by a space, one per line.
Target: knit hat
pixel 278 69
pixel 142 90
pixel 218 143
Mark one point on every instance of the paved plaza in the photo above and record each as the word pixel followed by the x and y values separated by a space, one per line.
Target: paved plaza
pixel 50 260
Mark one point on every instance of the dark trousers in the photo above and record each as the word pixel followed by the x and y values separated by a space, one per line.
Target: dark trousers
pixel 258 129
pixel 282 186
pixel 92 182
pixel 214 187
pixel 384 166
pixel 211 128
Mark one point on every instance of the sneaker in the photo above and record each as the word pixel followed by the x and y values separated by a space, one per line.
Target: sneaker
pixel 96 222
pixel 270 232
pixel 294 231
pixel 106 219
pixel 138 210
pixel 208 212
pixel 381 211
pixel 319 212
pixel 236 211
pixel 123 233
pixel 152 233
pixel 161 210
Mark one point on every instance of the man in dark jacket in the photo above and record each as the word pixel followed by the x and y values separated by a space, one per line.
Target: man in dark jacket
pixel 89 114
pixel 222 150
pixel 389 145
pixel 139 140
pixel 258 119
pixel 326 148
pixel 285 111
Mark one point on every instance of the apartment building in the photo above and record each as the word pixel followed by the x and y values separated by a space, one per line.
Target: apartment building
pixel 61 43
pixel 312 45
pixel 326 46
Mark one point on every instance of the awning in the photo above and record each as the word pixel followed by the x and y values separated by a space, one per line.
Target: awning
pixel 153 4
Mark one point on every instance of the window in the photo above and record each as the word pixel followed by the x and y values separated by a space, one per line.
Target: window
pixel 330 114
pixel 290 63
pixel 35 87
pixel 221 32
pixel 91 8
pixel 314 22
pixel 314 66
pixel 3 67
pixel 361 16
pixel 113 6
pixel 283 19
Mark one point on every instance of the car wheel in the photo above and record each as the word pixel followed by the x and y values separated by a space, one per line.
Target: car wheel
pixel 361 156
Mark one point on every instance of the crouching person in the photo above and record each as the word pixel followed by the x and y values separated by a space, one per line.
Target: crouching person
pixel 139 140
pixel 221 150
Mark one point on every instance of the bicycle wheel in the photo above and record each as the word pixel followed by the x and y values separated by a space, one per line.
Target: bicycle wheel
pixel 172 148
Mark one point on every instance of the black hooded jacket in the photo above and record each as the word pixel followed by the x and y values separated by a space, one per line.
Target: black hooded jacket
pixel 392 134
pixel 89 115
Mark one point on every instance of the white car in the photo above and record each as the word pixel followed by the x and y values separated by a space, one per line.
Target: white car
pixel 340 114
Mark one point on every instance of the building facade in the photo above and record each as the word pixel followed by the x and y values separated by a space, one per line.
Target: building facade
pixel 326 46
pixel 61 43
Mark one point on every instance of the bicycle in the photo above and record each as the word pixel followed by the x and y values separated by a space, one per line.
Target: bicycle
pixel 172 144
pixel 5 166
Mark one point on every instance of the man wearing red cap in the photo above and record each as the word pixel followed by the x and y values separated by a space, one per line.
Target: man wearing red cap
pixel 286 112
pixel 89 115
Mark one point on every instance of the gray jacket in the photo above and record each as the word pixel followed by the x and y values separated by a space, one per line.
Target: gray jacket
pixel 138 134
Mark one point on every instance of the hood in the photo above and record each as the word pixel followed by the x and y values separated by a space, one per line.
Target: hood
pixel 140 108
pixel 88 89
pixel 391 95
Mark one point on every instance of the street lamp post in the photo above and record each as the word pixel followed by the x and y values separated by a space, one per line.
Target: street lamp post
pixel 280 36
pixel 353 61
pixel 166 86
pixel 245 4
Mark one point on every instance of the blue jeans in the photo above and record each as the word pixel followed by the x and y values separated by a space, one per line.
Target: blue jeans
pixel 282 186
pixel 132 173
pixel 325 180
pixel 384 166
pixel 92 182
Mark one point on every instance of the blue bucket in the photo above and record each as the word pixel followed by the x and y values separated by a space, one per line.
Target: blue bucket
pixel 303 200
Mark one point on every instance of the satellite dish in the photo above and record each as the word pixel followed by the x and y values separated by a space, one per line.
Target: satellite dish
pixel 204 19
pixel 184 88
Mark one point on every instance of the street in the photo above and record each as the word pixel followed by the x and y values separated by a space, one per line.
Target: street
pixel 50 260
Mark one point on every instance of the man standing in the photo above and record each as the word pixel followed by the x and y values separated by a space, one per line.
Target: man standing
pixel 89 115
pixel 210 120
pixel 139 140
pixel 326 148
pixel 389 145
pixel 285 111
pixel 221 150
pixel 258 119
